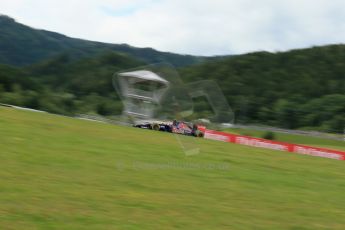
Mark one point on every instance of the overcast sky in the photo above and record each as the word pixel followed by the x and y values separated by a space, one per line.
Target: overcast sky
pixel 199 27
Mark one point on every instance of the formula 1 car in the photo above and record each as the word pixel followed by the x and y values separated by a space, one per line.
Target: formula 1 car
pixel 179 127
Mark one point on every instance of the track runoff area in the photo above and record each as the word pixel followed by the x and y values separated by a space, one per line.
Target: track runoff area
pixel 275 145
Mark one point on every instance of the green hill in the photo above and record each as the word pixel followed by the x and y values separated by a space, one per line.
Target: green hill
pixel 22 45
pixel 299 89
pixel 63 173
pixel 295 89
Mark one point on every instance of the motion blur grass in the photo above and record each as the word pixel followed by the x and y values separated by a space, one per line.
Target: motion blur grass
pixel 63 173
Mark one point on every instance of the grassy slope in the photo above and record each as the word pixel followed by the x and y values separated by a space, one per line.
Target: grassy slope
pixel 62 173
pixel 292 138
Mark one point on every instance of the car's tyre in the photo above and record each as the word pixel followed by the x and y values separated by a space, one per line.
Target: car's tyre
pixel 155 127
pixel 198 133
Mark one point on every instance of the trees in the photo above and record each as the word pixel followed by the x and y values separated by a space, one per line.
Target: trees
pixel 295 89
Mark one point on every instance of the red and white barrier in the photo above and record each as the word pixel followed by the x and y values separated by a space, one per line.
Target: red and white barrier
pixel 275 145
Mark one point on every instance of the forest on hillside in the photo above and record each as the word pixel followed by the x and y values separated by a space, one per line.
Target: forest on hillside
pixel 302 89
pixel 298 89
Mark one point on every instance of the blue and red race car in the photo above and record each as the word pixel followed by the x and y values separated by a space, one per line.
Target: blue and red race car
pixel 179 127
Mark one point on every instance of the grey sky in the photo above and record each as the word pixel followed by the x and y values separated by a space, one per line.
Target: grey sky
pixel 200 27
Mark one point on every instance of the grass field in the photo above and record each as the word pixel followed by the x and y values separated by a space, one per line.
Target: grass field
pixel 63 173
pixel 293 138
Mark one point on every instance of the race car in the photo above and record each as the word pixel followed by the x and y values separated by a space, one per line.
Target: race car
pixel 179 127
pixel 154 125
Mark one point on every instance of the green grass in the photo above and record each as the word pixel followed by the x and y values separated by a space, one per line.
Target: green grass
pixel 294 138
pixel 62 173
